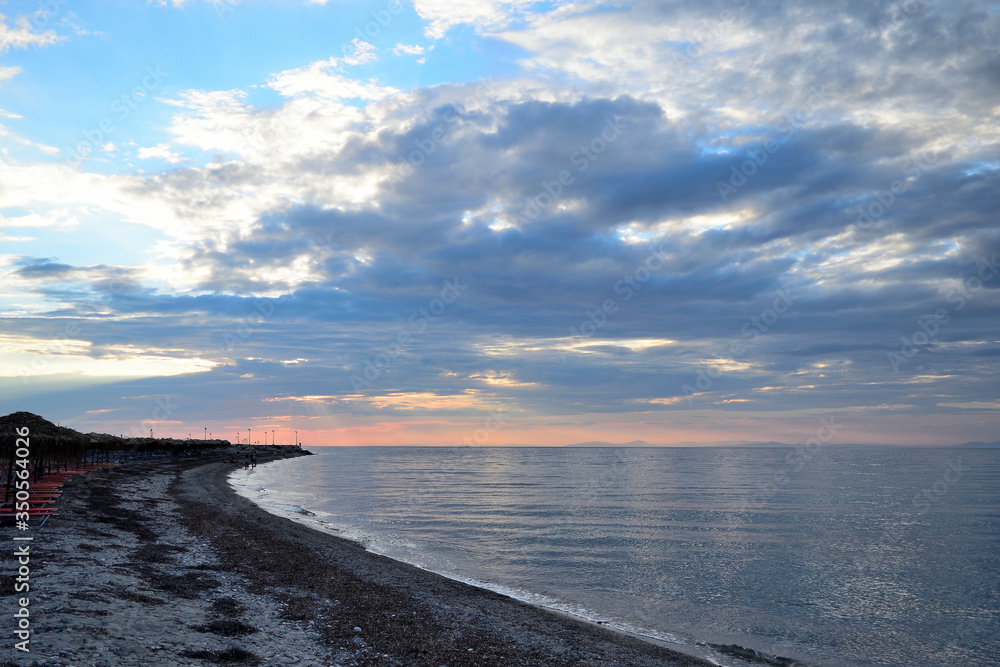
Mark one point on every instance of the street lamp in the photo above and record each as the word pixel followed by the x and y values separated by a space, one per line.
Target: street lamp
pixel 206 433
pixel 248 436
pixel 272 438
pixel 296 438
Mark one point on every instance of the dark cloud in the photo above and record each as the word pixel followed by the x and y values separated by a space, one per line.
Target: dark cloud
pixel 41 268
pixel 680 233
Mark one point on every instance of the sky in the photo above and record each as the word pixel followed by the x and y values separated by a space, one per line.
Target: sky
pixel 494 222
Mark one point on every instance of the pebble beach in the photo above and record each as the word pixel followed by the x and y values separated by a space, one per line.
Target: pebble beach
pixel 161 563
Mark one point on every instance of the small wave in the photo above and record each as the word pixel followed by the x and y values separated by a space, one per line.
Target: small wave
pixel 755 657
pixel 408 552
pixel 291 508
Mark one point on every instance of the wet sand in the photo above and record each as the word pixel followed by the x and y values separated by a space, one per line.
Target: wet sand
pixel 162 563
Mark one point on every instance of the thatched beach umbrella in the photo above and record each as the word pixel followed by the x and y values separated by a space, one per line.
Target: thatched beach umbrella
pixel 48 444
pixel 102 442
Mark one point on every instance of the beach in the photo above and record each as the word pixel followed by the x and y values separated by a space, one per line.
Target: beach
pixel 160 562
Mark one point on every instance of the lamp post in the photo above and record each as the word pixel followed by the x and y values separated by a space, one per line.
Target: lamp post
pixel 248 436
pixel 206 433
pixel 272 438
pixel 296 438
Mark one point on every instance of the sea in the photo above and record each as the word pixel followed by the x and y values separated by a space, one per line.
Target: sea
pixel 741 555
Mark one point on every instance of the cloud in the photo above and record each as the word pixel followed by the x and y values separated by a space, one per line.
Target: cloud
pixel 160 151
pixel 323 80
pixel 724 66
pixel 671 216
pixel 4 238
pixel 319 81
pixel 9 73
pixel 177 3
pixel 410 50
pixel 973 405
pixel 481 14
pixel 54 217
pixel 22 355
pixel 23 36
pixel 180 3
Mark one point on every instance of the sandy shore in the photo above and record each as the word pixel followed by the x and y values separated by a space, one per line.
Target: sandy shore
pixel 162 563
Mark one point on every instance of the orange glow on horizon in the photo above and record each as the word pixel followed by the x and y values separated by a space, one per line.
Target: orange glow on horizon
pixel 495 428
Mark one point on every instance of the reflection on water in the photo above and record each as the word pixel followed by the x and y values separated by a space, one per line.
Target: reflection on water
pixel 862 556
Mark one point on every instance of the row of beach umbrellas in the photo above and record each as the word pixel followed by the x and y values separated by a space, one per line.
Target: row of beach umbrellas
pixel 52 447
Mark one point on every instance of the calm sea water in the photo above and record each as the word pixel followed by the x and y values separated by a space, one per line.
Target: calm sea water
pixel 844 556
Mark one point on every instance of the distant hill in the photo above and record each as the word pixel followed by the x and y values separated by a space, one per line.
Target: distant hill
pixel 981 445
